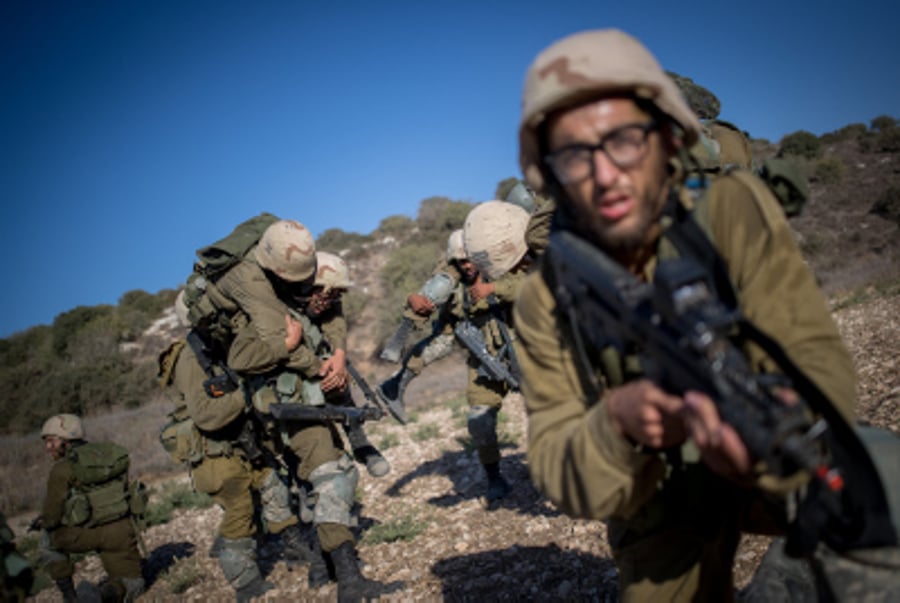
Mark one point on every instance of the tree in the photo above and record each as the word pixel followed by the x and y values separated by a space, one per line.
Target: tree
pixel 801 144
pixel 883 122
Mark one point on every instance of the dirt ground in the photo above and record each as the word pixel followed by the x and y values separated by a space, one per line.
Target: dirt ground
pixel 522 548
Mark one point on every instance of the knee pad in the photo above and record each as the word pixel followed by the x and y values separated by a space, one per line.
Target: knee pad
pixel 482 424
pixel 238 561
pixel 334 490
pixel 276 499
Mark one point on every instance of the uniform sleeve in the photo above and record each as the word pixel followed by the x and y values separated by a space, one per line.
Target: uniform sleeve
pixel 57 488
pixel 334 328
pixel 210 414
pixel 259 346
pixel 575 455
pixel 506 288
pixel 776 289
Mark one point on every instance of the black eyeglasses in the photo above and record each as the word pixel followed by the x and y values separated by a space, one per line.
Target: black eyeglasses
pixel 625 146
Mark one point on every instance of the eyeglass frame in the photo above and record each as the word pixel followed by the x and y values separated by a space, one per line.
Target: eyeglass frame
pixel 646 128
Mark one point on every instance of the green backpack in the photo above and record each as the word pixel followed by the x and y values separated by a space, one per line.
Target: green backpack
pixel 100 494
pixel 215 260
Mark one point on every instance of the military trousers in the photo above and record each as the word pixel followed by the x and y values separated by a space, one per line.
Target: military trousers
pixel 114 542
pixel 231 481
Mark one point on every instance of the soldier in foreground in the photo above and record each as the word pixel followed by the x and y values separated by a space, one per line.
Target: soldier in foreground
pixel 603 131
pixel 79 517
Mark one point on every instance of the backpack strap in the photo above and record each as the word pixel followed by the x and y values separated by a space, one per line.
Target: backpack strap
pixel 692 241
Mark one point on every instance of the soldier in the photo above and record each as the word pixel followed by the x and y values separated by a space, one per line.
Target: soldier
pixel 16 575
pixel 324 306
pixel 454 274
pixel 228 461
pixel 494 239
pixel 268 350
pixel 420 306
pixel 78 517
pixel 603 131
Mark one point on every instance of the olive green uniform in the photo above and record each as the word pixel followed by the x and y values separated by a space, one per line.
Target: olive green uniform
pixel 115 542
pixel 219 467
pixel 673 527
pixel 258 348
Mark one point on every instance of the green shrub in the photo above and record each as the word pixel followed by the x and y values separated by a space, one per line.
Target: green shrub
pixel 174 495
pixel 830 170
pixel 354 302
pixel 883 122
pixel 396 225
pixel 402 528
pixel 389 441
pixel 802 144
pixel 703 102
pixel 888 140
pixel 848 132
pixel 183 575
pixel 887 205
pixel 336 240
pixel 428 431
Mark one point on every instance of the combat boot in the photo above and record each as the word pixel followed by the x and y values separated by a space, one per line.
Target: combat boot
pixel 394 347
pixel 365 452
pixel 391 392
pixel 67 588
pixel 255 588
pixel 498 487
pixel 295 548
pixel 352 585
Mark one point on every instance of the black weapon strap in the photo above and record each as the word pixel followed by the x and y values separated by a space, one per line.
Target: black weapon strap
pixel 494 305
pixel 198 346
pixel 691 241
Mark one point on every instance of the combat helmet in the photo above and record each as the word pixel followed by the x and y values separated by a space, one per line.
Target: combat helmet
pixel 582 67
pixel 331 272
pixel 65 426
pixel 494 237
pixel 288 250
pixel 456 249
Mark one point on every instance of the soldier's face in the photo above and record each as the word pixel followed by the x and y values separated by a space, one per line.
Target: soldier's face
pixel 55 447
pixel 615 206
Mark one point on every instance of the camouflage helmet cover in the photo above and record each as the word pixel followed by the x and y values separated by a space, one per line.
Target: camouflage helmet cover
pixel 494 237
pixel 456 250
pixel 65 426
pixel 586 66
pixel 331 271
pixel 288 250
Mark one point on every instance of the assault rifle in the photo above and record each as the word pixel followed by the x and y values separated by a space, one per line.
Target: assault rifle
pixel 328 412
pixel 490 366
pixel 682 334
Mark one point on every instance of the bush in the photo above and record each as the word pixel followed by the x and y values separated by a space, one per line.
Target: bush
pixel 426 432
pixel 829 171
pixel 336 240
pixel 440 215
pixel 883 122
pixel 396 225
pixel 703 102
pixel 887 205
pixel 402 528
pixel 848 132
pixel 802 144
pixel 888 140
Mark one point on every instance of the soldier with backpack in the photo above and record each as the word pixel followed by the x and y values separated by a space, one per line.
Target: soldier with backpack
pixel 88 507
pixel 247 316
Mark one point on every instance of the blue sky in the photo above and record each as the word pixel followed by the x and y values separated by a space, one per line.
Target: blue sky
pixel 132 133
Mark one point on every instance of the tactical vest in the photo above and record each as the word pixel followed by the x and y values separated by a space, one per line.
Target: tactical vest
pixel 99 494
